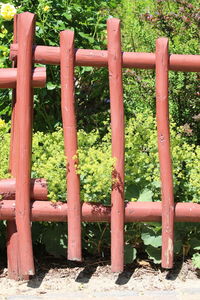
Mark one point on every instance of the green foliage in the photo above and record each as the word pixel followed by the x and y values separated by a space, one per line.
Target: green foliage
pixel 154 254
pixel 185 166
pixel 141 158
pixel 52 235
pixel 189 235
pixel 129 254
pixel 141 163
pixel 142 23
pixel 96 164
pixel 88 19
pixel 95 168
pixel 142 171
pixel 152 237
pixel 55 239
pixel 4 145
pixel 49 162
pixel 196 260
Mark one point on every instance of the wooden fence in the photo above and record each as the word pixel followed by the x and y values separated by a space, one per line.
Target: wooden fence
pixel 24 199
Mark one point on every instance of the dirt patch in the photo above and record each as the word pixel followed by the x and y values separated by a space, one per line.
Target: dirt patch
pixel 93 277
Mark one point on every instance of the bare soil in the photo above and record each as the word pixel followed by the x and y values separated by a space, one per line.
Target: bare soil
pixel 95 276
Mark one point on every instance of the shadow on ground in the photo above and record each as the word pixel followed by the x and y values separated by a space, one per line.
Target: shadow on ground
pixel 82 272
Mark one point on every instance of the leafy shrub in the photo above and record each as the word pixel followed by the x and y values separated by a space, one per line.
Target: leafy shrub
pixel 4 145
pixel 142 23
pixel 95 164
pixel 49 162
pixel 88 19
pixel 95 168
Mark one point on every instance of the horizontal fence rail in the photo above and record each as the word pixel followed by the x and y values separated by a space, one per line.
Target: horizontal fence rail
pixel 24 199
pixel 8 78
pixel 38 189
pixel 93 212
pixel 99 58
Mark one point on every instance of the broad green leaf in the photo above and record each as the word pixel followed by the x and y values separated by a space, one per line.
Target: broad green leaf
pixel 132 191
pixel 60 25
pixel 51 86
pixel 153 240
pixel 146 195
pixel 86 36
pixel 87 69
pixel 68 16
pixel 196 260
pixel 129 254
pixel 77 7
pixel 156 184
pixel 154 254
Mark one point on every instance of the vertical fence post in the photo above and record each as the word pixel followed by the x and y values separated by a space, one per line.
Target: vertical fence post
pixel 12 237
pixel 67 56
pixel 24 100
pixel 12 160
pixel 117 127
pixel 162 115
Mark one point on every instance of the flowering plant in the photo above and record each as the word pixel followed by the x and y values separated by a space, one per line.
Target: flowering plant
pixel 7 11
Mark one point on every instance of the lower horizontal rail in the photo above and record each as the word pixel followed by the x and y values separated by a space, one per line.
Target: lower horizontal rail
pixel 8 77
pixel 93 212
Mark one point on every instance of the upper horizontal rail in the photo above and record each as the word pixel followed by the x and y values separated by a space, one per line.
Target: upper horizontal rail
pixel 99 58
pixel 38 189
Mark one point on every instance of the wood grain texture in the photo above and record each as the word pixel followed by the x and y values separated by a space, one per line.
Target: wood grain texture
pixel 166 175
pixel 117 133
pixel 70 142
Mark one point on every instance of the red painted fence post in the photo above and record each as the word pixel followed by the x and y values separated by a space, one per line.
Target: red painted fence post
pixel 70 140
pixel 162 115
pixel 117 127
pixel 13 257
pixel 24 101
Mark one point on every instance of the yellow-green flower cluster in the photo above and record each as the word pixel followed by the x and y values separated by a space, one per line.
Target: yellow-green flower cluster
pixel 4 31
pixel 46 8
pixel 7 11
pixel 95 167
pixel 2 124
pixel 4 146
pixel 142 178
